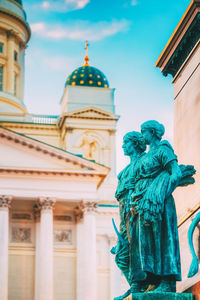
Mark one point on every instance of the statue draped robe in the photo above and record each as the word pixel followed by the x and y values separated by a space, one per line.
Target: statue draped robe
pixel 126 179
pixel 154 244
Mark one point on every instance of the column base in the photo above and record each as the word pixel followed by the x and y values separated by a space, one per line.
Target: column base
pixel 163 296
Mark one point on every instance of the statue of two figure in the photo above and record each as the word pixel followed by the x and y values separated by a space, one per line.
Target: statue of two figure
pixel 147 251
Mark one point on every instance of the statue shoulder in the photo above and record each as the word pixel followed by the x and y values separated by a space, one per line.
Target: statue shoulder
pixel 121 173
pixel 165 143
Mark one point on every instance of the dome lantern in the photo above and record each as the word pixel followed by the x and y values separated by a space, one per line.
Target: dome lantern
pixel 87 75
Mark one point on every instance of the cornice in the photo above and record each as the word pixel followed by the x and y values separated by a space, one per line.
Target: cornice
pixel 79 114
pixel 182 41
pixel 12 102
pixel 19 19
pixel 27 125
pixel 184 48
pixel 50 172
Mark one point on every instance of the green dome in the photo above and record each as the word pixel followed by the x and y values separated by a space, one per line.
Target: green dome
pixel 87 76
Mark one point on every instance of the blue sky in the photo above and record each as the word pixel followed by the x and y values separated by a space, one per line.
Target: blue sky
pixel 126 37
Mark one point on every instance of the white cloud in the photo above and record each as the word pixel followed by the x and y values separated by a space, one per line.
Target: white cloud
pixel 45 4
pixel 60 63
pixel 134 2
pixel 38 27
pixel 63 5
pixel 81 31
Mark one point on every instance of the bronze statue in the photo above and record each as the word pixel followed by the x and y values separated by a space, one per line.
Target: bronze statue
pixel 149 255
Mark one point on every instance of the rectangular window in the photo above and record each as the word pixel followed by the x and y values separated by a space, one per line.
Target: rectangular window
pixel 1 78
pixel 1 48
pixel 15 85
pixel 15 56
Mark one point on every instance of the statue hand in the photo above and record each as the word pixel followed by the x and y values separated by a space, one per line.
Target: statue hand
pixel 113 250
pixel 116 248
pixel 194 267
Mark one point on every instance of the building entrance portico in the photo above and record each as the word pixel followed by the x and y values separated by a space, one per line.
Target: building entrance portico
pixel 49 229
pixel 44 238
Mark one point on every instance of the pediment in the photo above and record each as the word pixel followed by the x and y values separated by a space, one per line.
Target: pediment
pixel 92 113
pixel 19 152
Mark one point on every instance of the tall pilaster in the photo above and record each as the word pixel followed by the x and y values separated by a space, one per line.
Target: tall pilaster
pixel 86 253
pixel 45 272
pixel 4 205
pixel 10 62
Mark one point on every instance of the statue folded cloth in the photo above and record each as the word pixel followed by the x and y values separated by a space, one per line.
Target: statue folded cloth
pixel 150 256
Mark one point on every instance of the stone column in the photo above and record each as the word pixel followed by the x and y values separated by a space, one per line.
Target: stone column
pixel 45 268
pixel 4 205
pixel 115 273
pixel 10 62
pixel 37 248
pixel 86 253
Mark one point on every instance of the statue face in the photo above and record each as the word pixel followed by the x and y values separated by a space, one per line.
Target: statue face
pixel 128 147
pixel 147 135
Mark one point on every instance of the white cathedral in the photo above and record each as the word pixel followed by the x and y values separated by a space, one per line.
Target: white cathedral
pixel 57 181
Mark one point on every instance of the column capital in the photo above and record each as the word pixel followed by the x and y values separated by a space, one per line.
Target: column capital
pixel 46 203
pixel 83 208
pixel 78 213
pixel 90 206
pixel 36 212
pixel 112 132
pixel 5 201
pixel 11 34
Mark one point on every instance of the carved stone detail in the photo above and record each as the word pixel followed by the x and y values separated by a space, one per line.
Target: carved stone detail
pixel 63 236
pixel 112 132
pixel 46 203
pixel 78 212
pixel 90 206
pixel 21 235
pixel 21 216
pixel 36 212
pixel 84 208
pixel 11 34
pixel 5 201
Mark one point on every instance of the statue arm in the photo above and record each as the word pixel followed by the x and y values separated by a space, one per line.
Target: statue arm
pixel 175 175
pixel 187 175
pixel 194 267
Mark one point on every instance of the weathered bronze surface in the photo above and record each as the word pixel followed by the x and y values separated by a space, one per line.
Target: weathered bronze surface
pixel 148 251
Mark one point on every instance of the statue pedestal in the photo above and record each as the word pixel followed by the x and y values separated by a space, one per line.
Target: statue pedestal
pixel 163 296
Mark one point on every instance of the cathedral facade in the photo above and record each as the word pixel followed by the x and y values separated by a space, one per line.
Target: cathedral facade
pixel 57 181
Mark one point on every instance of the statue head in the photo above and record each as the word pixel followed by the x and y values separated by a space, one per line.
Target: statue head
pixel 152 130
pixel 133 142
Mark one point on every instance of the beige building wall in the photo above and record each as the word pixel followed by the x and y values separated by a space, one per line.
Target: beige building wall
pixel 187 129
pixel 181 59
pixel 21 276
pixel 64 275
